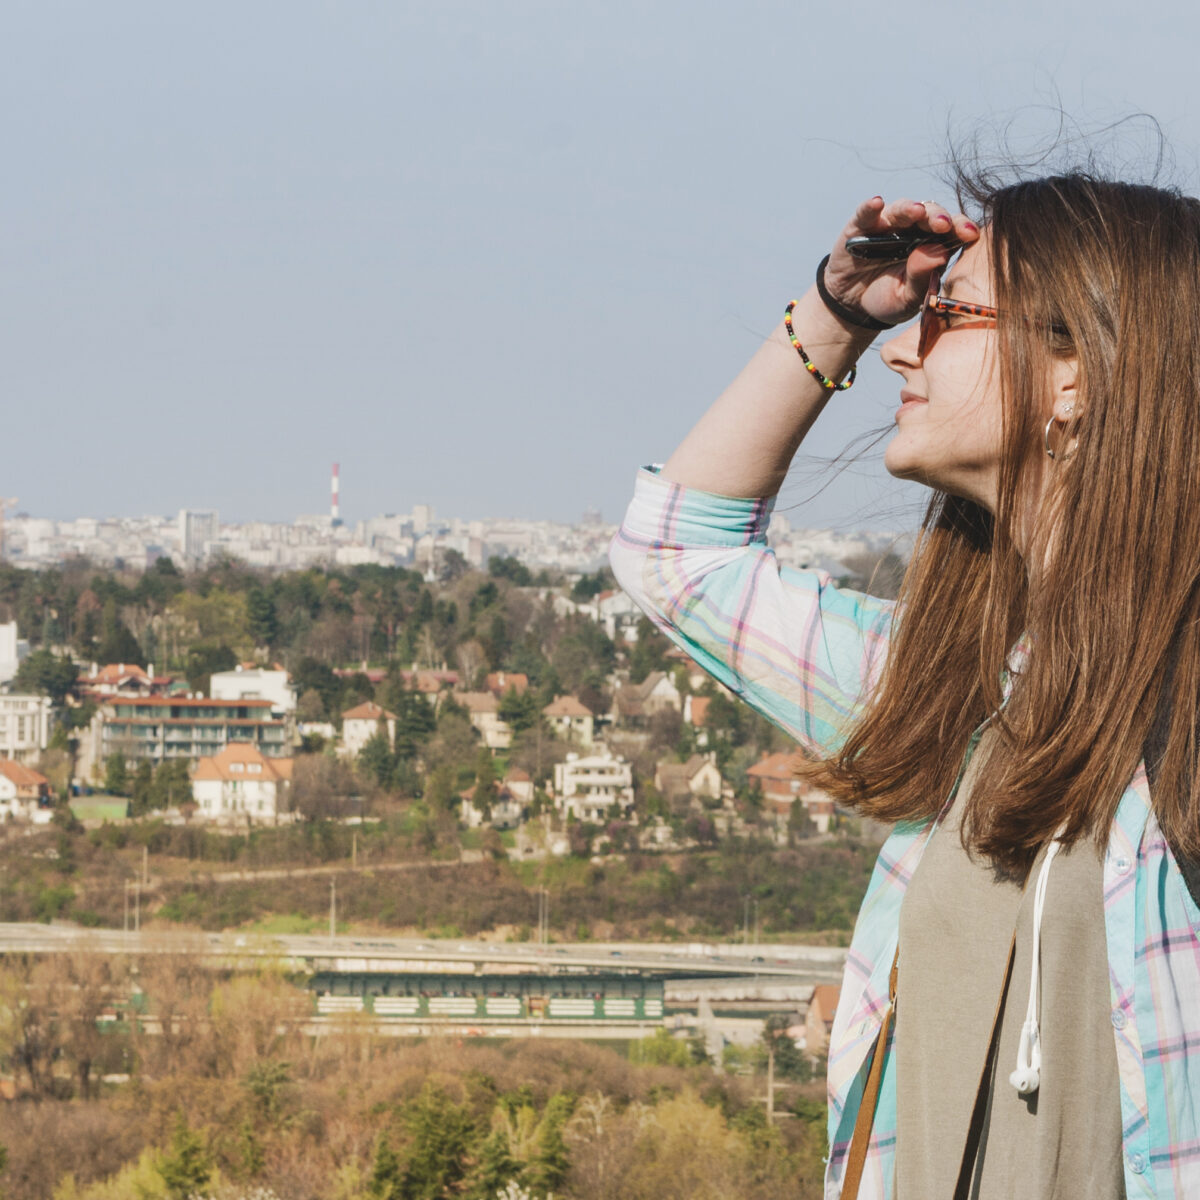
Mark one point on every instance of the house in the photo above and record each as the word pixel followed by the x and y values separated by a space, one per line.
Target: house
pixel 241 784
pixel 819 1021
pixel 519 784
pixel 695 714
pixel 498 682
pixel 24 793
pixel 635 703
pixel 682 784
pixel 25 726
pixel 255 683
pixel 586 788
pixel 116 679
pixel 361 723
pixel 507 811
pixel 777 778
pixel 615 611
pixel 483 709
pixel 571 719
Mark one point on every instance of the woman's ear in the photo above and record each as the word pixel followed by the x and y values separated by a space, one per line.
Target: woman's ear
pixel 1064 393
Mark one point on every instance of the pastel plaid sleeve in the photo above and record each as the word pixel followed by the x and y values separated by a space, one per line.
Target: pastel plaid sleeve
pixel 799 650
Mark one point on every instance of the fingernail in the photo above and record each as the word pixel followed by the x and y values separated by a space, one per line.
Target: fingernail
pixel 970 227
pixel 874 198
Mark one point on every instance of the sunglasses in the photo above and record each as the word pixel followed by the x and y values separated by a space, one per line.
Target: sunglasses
pixel 937 311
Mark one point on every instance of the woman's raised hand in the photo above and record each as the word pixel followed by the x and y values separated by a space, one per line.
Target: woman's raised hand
pixel 892 292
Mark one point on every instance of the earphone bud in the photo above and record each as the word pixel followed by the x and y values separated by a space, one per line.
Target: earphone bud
pixel 1027 1076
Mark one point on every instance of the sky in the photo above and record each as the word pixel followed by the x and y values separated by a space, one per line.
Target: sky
pixel 489 256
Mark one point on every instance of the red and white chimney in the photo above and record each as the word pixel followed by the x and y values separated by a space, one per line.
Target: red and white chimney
pixel 334 510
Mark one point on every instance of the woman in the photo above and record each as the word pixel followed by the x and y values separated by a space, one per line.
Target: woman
pixel 1038 894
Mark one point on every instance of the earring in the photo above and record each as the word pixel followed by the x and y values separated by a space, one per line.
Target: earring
pixel 1068 409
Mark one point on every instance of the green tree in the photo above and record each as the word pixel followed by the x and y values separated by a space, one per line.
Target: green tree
pixel 548 1169
pixel 261 615
pixel 511 569
pixel 48 675
pixel 376 760
pixel 441 1135
pixel 649 652
pixel 116 774
pixel 141 789
pixel 439 791
pixel 117 644
pixel 387 1178
pixel 495 1168
pixel 187 1167
pixel 203 661
pixel 519 710
pixel 485 783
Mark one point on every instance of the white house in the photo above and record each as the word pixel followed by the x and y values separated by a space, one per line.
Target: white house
pixel 24 794
pixel 483 709
pixel 506 813
pixel 361 723
pixel 255 683
pixel 241 784
pixel 571 719
pixel 25 726
pixel 586 788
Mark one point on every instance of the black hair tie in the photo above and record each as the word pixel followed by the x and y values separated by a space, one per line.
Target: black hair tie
pixel 840 310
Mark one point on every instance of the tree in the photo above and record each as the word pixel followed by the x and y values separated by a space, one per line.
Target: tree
pixel 187 1167
pixel 140 790
pixel 260 613
pixel 485 783
pixel 172 787
pixel 117 644
pixel 116 775
pixel 203 661
pixel 48 675
pixel 439 792
pixel 519 710
pixel 511 569
pixel 649 652
pixel 376 760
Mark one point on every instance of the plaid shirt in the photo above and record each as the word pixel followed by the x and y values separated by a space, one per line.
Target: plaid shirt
pixel 803 653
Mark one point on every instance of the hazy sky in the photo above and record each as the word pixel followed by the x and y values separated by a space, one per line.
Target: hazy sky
pixel 490 256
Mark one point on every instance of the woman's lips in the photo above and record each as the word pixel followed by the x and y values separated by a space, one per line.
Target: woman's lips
pixel 909 400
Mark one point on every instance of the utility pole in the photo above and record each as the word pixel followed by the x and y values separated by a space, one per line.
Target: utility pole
pixel 137 906
pixel 771 1082
pixel 332 909
pixel 125 925
pixel 146 865
pixel 745 920
pixel 354 850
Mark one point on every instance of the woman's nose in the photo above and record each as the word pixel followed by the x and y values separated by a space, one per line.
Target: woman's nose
pixel 900 353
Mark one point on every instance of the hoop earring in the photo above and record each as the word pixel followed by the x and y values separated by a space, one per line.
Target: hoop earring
pixel 1046 437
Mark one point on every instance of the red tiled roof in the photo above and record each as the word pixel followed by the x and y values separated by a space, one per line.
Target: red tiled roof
pixel 185 701
pixel 221 766
pixel 699 709
pixel 567 706
pixel 478 702
pixel 501 681
pixel 780 766
pixel 22 776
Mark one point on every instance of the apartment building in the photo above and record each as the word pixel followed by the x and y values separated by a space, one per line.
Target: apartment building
pixel 586 788
pixel 25 727
pixel 155 728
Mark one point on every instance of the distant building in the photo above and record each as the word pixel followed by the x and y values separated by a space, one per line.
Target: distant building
pixel 695 714
pixel 198 529
pixel 506 811
pixel 121 679
pixel 24 793
pixel 819 1021
pixel 156 728
pixel 483 709
pixel 681 784
pixel 777 778
pixel 25 726
pixel 635 703
pixel 13 651
pixel 499 682
pixel 361 723
pixel 519 784
pixel 571 719
pixel 241 785
pixel 587 788
pixel 255 683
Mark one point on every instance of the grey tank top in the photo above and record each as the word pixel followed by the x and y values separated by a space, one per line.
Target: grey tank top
pixel 956 922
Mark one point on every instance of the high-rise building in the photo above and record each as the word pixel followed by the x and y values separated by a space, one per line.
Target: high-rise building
pixel 197 529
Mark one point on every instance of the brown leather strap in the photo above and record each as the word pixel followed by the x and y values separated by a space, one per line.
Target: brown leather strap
pixel 857 1156
pixel 970 1153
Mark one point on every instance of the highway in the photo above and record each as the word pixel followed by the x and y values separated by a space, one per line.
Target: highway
pixel 345 953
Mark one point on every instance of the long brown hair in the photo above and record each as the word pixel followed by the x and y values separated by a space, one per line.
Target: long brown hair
pixel 1108 593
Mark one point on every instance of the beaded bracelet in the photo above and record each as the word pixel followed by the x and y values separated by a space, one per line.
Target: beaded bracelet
pixel 809 365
